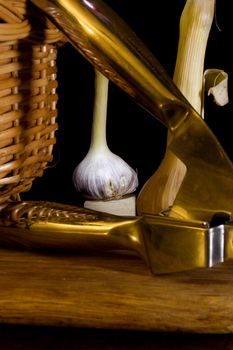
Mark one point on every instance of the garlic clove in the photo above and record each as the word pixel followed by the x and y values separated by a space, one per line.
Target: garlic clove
pixel 104 175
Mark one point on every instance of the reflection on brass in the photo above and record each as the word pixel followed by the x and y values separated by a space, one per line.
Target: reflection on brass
pixel 165 244
pixel 58 226
pixel 110 45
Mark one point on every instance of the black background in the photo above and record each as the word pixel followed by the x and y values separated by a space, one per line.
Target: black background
pixel 132 133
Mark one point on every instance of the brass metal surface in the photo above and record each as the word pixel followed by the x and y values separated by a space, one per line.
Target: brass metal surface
pixel 111 46
pixel 228 242
pixel 165 244
pixel 58 226
pixel 176 245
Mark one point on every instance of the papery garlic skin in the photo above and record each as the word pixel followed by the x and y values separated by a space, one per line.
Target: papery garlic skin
pixel 103 175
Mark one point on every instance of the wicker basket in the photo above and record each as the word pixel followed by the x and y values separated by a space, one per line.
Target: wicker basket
pixel 28 49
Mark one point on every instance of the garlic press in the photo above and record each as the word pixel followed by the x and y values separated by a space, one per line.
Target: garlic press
pixel 197 231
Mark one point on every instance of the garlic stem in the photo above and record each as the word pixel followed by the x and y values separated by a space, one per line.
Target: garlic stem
pixel 98 137
pixel 195 24
pixel 160 190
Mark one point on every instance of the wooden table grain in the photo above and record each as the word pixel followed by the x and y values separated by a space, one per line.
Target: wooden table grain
pixel 112 291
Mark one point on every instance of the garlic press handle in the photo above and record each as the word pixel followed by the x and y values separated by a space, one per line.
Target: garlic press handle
pixel 113 48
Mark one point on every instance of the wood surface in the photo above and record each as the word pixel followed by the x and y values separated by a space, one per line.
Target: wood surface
pixel 112 291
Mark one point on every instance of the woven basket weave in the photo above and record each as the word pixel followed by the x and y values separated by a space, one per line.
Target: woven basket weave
pixel 28 49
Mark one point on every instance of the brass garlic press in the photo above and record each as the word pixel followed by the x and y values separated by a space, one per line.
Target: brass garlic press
pixel 166 244
pixel 197 231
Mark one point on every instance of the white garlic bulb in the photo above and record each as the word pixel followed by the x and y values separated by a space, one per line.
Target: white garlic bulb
pixel 102 174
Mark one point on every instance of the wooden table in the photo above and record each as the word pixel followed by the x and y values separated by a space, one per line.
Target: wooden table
pixel 112 291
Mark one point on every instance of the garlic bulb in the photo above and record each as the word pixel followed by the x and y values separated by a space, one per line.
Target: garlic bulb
pixel 102 174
